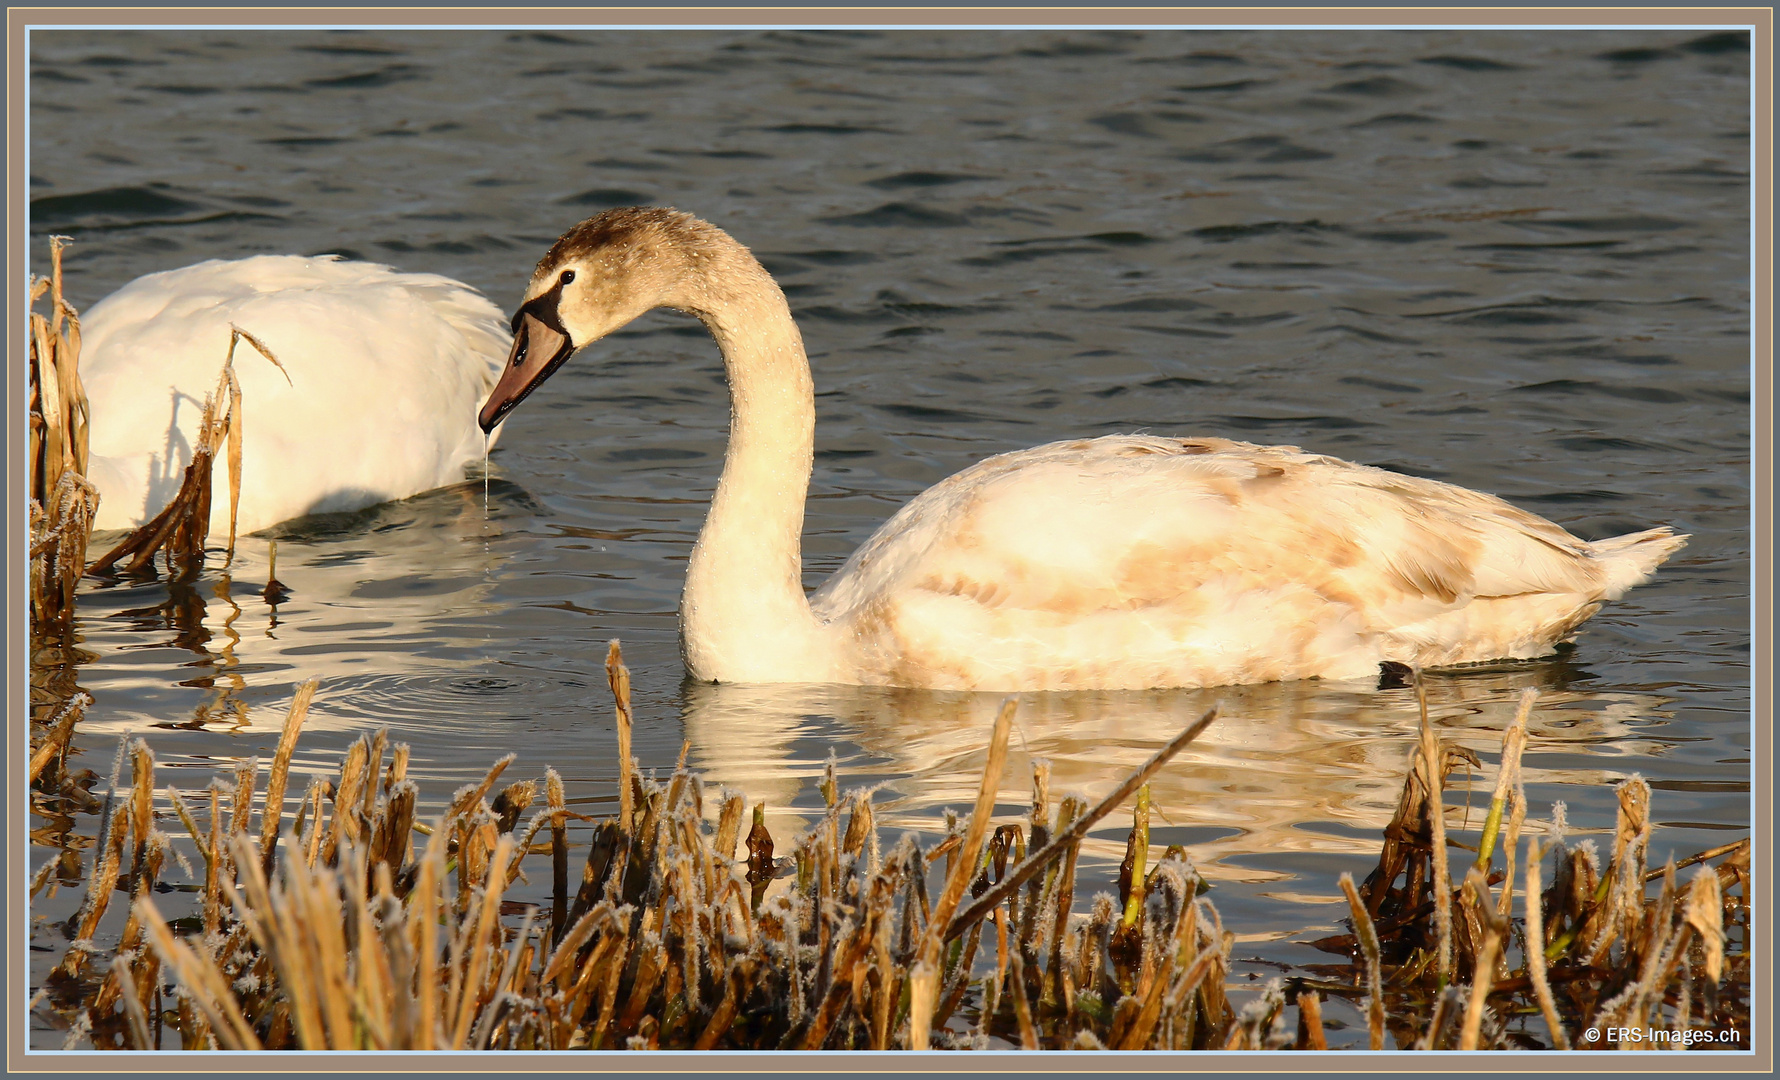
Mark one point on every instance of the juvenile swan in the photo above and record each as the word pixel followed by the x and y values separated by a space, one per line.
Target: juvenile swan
pixel 1121 562
pixel 383 371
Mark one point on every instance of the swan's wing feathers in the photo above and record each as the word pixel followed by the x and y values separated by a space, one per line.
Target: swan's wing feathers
pixel 1127 522
pixel 1452 542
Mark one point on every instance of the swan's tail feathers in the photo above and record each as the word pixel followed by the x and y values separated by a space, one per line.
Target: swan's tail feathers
pixel 1630 559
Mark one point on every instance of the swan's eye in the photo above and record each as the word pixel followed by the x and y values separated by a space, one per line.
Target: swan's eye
pixel 567 276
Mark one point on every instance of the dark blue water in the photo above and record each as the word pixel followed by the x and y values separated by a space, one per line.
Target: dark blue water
pixel 1516 261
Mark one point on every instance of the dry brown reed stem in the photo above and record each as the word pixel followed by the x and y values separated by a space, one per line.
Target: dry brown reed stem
pixel 1484 968
pixel 1137 855
pixel 1023 1007
pixel 559 853
pixel 272 814
pixel 61 729
pixel 202 982
pixel 963 869
pixel 183 525
pixel 319 789
pixel 141 805
pixel 1037 861
pixel 275 592
pixel 59 407
pixel 424 909
pixel 60 527
pixel 923 984
pixel 62 502
pixel 618 677
pixel 123 978
pixel 1510 844
pixel 1064 890
pixel 1535 952
pixel 1160 957
pixel 1703 856
pixel 99 888
pixel 1622 886
pixel 1705 913
pixel 1514 742
pixel 1436 806
pixel 1367 935
pixel 1310 1021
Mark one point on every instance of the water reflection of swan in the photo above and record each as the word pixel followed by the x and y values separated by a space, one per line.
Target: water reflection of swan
pixel 1119 562
pixel 1288 767
pixel 384 373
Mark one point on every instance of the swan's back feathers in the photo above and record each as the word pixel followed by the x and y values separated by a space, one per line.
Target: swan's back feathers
pixel 385 369
pixel 1207 540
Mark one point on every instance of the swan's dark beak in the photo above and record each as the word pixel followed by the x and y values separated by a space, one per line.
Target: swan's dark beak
pixel 540 346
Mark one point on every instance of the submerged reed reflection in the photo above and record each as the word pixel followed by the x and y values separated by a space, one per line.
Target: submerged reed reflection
pixel 1283 763
pixel 379 582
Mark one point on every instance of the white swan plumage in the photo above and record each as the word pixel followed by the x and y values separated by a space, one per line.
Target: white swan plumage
pixel 1122 562
pixel 385 370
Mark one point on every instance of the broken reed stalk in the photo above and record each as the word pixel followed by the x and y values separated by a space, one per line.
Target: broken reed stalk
pixel 272 814
pixel 1483 971
pixel 63 503
pixel 1514 743
pixel 559 853
pixel 1535 952
pixel 59 413
pixel 963 869
pixel 1138 851
pixel 60 729
pixel 1311 1035
pixel 275 592
pixel 1436 807
pixel 1073 835
pixel 182 527
pixel 1367 935
pixel 1700 857
pixel 618 678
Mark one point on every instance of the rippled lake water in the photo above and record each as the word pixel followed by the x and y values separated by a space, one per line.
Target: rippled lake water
pixel 1515 261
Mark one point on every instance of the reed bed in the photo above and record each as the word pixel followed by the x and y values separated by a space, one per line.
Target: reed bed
pixel 671 926
pixel 62 510
pixel 1596 952
pixel 61 521
pixel 62 501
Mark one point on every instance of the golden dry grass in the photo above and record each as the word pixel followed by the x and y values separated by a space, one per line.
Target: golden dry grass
pixel 362 927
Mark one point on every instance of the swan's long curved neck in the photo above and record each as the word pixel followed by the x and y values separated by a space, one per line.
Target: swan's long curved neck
pixel 744 616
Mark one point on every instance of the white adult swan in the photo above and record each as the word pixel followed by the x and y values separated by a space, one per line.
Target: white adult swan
pixel 385 370
pixel 1121 562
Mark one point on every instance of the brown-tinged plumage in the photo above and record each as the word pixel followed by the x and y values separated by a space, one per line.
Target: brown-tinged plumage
pixel 1120 562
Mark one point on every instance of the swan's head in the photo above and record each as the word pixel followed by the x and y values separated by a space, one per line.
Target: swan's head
pixel 599 276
